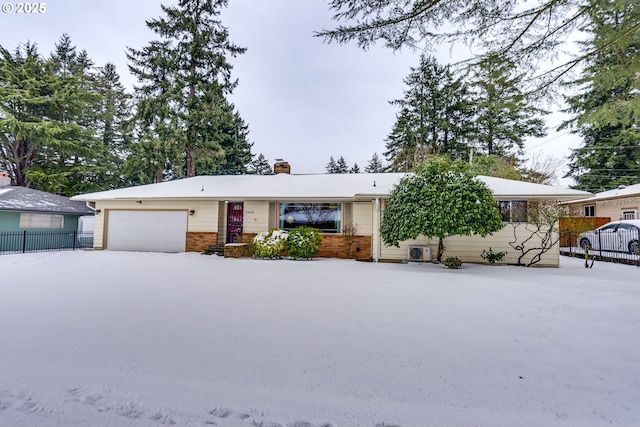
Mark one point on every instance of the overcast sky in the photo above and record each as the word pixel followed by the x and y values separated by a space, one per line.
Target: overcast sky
pixel 304 100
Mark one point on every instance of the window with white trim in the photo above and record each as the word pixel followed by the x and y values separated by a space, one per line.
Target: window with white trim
pixel 29 220
pixel 326 217
pixel 513 210
pixel 630 214
pixel 590 210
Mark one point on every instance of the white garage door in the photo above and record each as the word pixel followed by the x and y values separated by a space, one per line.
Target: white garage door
pixel 149 231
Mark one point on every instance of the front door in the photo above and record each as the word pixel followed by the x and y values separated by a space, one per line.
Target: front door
pixel 235 213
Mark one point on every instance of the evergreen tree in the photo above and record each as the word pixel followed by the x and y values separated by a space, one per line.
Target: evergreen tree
pixel 72 164
pixel 434 117
pixel 332 166
pixel 184 79
pixel 27 84
pixel 46 124
pixel 441 199
pixel 504 114
pixel 342 166
pixel 355 168
pixel 113 124
pixel 518 31
pixel 260 166
pixel 606 111
pixel 374 165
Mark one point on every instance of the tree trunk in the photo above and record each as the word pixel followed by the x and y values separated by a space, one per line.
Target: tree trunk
pixel 440 249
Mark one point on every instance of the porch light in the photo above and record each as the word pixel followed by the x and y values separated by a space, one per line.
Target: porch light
pixel 192 211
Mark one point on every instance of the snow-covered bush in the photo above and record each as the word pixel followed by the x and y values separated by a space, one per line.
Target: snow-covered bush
pixel 453 262
pixel 304 242
pixel 270 244
pixel 493 257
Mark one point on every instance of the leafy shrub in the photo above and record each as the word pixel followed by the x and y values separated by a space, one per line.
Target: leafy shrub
pixel 493 257
pixel 304 242
pixel 270 244
pixel 452 262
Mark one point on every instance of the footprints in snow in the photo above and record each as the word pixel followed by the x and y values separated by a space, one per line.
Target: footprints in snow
pixel 106 402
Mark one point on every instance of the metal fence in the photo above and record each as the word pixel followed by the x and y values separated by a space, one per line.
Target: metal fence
pixel 14 242
pixel 621 246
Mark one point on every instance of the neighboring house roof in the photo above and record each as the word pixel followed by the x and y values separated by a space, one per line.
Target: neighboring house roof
pixel 616 193
pixel 321 186
pixel 28 200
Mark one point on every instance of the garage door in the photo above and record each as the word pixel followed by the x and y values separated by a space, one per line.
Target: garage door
pixel 149 231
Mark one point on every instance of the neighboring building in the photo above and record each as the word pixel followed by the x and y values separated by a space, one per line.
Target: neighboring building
pixel 24 209
pixel 193 213
pixel 620 203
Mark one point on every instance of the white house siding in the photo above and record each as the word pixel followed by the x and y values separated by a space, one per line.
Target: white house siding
pixel 469 248
pixel 391 252
pixel 363 217
pixel 205 218
pixel 222 222
pixel 613 208
pixel 256 217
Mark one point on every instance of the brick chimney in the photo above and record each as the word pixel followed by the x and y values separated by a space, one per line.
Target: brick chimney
pixel 281 167
pixel 5 179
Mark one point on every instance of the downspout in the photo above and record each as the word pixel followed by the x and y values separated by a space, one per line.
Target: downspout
pixel 376 230
pixel 89 206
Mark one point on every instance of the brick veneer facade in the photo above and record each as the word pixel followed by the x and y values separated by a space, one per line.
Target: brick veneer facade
pixel 335 246
pixel 237 250
pixel 198 241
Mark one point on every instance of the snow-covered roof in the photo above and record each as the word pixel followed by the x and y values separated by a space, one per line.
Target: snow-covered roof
pixel 321 186
pixel 29 200
pixel 622 191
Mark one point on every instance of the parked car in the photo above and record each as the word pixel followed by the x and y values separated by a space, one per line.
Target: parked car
pixel 617 236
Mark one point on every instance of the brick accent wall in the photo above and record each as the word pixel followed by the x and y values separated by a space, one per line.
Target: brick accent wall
pixel 198 241
pixel 237 250
pixel 335 246
pixel 247 237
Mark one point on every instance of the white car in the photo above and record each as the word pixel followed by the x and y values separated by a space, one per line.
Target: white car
pixel 617 236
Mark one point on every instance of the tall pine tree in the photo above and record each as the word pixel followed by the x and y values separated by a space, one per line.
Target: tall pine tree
pixel 606 111
pixel 374 165
pixel 505 116
pixel 183 82
pixel 434 117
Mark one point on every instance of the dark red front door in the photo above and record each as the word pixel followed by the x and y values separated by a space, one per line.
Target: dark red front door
pixel 235 213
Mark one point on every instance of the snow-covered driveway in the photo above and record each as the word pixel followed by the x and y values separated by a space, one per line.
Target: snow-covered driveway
pixel 141 339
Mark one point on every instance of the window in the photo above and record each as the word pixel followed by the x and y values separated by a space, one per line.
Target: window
pixel 513 210
pixel 590 210
pixel 326 217
pixel 629 214
pixel 28 220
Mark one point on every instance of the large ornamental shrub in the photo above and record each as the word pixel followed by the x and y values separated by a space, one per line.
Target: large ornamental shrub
pixel 304 242
pixel 270 244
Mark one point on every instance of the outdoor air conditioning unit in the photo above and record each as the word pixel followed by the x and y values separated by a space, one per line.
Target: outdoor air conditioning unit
pixel 419 253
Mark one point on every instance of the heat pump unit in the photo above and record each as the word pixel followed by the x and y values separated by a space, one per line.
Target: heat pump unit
pixel 419 253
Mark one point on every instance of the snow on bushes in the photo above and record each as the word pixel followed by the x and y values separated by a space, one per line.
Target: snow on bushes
pixel 304 242
pixel 270 244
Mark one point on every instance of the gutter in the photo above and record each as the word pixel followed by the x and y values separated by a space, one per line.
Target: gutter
pixel 376 230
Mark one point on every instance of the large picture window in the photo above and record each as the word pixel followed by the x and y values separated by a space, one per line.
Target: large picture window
pixel 326 217
pixel 28 220
pixel 513 210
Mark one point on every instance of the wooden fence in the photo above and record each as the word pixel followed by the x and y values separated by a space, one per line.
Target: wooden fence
pixel 571 227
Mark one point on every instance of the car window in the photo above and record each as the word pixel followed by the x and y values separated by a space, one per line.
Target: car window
pixel 609 228
pixel 629 227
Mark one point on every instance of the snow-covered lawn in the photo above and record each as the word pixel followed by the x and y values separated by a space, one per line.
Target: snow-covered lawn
pixel 138 339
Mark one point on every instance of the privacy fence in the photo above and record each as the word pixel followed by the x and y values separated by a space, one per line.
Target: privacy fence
pixel 14 242
pixel 580 238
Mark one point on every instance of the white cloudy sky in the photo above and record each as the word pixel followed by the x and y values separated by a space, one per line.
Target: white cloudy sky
pixel 304 100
